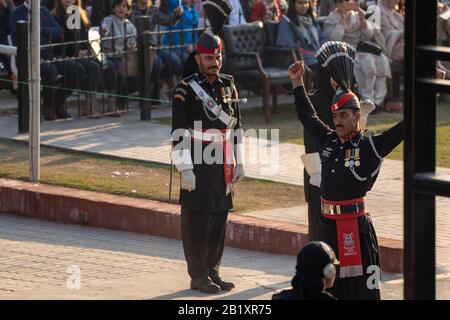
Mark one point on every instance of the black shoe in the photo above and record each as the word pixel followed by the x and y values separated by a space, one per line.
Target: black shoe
pixel 204 285
pixel 225 286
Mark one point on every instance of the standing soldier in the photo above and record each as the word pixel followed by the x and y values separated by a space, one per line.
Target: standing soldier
pixel 350 164
pixel 205 124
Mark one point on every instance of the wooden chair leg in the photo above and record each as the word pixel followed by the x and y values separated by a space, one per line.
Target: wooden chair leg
pixel 274 98
pixel 266 97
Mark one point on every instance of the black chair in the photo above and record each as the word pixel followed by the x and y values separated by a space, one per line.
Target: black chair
pixel 271 32
pixel 250 60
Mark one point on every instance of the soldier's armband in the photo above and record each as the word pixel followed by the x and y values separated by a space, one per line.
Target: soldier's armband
pixel 180 94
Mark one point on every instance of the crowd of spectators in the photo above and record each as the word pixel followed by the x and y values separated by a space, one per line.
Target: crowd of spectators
pixel 374 28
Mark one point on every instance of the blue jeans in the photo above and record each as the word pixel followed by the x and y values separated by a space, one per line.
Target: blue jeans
pixel 174 60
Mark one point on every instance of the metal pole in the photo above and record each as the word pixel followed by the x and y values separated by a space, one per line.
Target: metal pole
pixel 35 89
pixel 146 60
pixel 22 68
pixel 419 153
pixel 170 180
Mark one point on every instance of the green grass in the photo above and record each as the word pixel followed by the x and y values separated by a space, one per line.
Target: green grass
pixel 144 180
pixel 291 130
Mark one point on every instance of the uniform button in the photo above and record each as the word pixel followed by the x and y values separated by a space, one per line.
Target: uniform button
pixel 336 159
pixel 342 147
pixel 333 171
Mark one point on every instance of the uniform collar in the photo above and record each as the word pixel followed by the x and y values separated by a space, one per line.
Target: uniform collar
pixel 202 78
pixel 350 137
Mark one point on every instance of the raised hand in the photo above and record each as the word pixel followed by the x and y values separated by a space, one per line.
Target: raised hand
pixel 296 72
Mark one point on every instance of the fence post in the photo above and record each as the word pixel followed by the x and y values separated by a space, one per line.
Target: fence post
pixel 22 70
pixel 146 62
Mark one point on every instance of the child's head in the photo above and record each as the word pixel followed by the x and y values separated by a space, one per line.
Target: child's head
pixel 121 8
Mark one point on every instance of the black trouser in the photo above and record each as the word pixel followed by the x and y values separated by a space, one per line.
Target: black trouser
pixel 312 195
pixel 203 235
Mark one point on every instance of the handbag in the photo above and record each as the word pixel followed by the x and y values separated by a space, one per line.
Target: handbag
pixel 369 47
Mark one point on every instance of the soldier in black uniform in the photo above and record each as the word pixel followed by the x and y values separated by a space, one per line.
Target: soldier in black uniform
pixel 321 96
pixel 350 165
pixel 206 120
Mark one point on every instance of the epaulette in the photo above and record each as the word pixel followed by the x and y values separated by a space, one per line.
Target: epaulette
pixel 228 77
pixel 186 80
pixel 181 90
pixel 369 132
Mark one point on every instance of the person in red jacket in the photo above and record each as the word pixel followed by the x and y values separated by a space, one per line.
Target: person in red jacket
pixel 259 11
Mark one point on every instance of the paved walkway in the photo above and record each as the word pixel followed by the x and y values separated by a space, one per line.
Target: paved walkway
pixel 130 138
pixel 40 260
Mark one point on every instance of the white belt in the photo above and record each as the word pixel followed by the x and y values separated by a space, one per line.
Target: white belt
pixel 212 106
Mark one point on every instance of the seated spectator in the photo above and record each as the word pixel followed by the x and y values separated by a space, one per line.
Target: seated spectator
pixel 259 11
pixel 53 102
pixel 443 38
pixel 91 74
pixel 348 23
pixel 238 14
pixel 315 273
pixel 326 7
pixel 187 39
pixel 276 9
pixel 124 39
pixel 6 7
pixel 165 58
pixel 392 27
pixel 443 25
pixel 298 29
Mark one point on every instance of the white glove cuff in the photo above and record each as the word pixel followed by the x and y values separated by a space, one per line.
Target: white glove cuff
pixel 182 159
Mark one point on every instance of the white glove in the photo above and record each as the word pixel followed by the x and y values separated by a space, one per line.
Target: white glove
pixel 367 107
pixel 315 180
pixel 187 180
pixel 314 167
pixel 239 173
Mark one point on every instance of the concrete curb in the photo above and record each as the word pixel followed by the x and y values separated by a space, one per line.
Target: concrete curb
pixel 160 219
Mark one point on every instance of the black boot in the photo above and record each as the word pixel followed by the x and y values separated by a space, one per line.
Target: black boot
pixel 204 285
pixel 226 286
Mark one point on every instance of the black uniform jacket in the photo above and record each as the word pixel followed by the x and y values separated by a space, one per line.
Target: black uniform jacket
pixel 187 108
pixel 338 181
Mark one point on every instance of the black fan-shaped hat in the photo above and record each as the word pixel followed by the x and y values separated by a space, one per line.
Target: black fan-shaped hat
pixel 217 12
pixel 338 59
